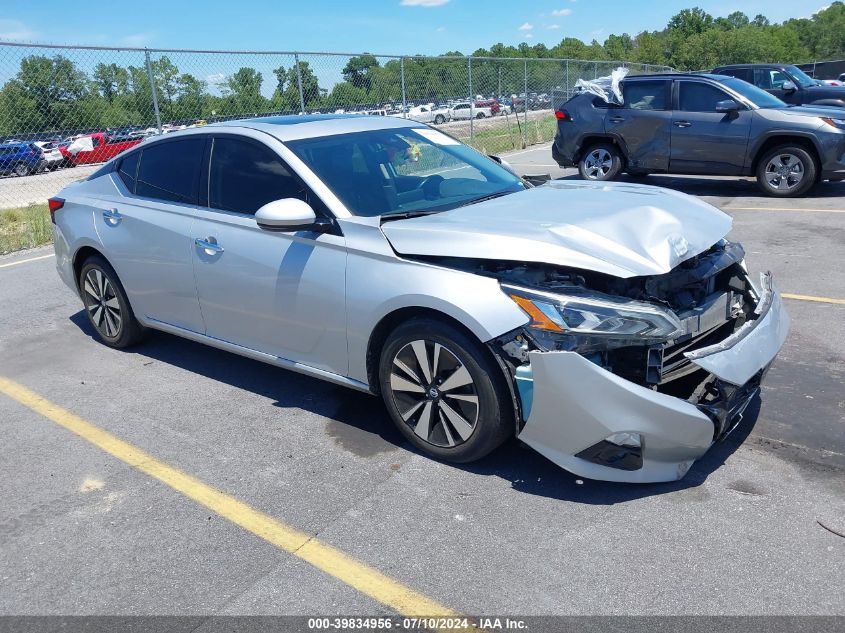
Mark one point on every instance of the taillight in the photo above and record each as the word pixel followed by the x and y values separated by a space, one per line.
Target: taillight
pixel 55 204
pixel 562 115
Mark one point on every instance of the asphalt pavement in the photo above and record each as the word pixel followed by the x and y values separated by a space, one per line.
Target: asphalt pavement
pixel 750 530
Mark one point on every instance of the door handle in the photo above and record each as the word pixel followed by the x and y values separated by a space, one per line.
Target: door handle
pixel 616 119
pixel 681 123
pixel 112 216
pixel 209 245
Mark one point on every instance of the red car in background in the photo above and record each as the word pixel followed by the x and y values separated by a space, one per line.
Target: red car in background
pixel 99 149
pixel 494 106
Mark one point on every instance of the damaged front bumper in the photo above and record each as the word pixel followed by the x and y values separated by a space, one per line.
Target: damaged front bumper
pixel 599 425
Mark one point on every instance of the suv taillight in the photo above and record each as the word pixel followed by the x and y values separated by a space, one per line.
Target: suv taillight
pixel 55 204
pixel 562 115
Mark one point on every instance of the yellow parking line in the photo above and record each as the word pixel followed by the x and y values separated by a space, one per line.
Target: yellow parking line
pixel 787 295
pixel 797 210
pixel 25 261
pixel 354 573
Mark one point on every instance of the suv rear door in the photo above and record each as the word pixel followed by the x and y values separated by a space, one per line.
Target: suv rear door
pixel 643 123
pixel 705 141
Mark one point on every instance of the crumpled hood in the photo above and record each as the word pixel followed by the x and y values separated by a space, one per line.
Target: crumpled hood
pixel 625 230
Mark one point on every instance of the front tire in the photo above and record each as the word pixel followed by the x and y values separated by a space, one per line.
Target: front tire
pixel 22 169
pixel 106 304
pixel 600 162
pixel 443 391
pixel 786 171
pixel 439 119
pixel 480 115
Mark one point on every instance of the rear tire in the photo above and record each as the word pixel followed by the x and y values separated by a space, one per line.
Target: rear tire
pixel 455 407
pixel 439 119
pixel 786 171
pixel 22 169
pixel 106 304
pixel 600 162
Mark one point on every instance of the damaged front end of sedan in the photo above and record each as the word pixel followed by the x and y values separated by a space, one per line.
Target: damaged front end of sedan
pixel 633 379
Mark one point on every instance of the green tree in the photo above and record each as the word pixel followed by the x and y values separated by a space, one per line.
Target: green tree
pixel 358 71
pixel 111 80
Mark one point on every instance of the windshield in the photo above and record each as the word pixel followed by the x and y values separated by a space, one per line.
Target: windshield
pixel 404 170
pixel 755 95
pixel 800 77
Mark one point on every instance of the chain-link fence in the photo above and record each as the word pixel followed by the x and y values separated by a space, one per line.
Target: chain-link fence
pixel 63 109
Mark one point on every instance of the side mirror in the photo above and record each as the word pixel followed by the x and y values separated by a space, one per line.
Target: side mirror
pixel 505 164
pixel 727 106
pixel 788 86
pixel 287 215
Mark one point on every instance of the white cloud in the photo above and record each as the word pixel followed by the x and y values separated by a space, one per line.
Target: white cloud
pixel 553 26
pixel 14 30
pixel 215 78
pixel 562 12
pixel 423 3
pixel 526 27
pixel 528 36
pixel 136 39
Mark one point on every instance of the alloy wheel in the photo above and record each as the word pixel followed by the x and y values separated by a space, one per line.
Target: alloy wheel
pixel 102 303
pixel 434 393
pixel 597 164
pixel 784 172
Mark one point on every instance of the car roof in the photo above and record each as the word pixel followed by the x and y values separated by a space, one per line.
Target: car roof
pixel 712 76
pixel 293 127
pixel 769 65
pixel 16 145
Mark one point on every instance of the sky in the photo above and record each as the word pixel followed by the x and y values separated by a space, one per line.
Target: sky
pixel 351 26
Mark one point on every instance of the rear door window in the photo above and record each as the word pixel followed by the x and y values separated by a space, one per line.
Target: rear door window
pixel 128 170
pixel 746 74
pixel 170 170
pixel 699 97
pixel 246 175
pixel 645 95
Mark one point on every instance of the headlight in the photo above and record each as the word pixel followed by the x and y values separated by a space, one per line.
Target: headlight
pixel 837 123
pixel 593 314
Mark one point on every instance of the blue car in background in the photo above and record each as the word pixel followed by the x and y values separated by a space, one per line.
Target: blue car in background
pixel 20 159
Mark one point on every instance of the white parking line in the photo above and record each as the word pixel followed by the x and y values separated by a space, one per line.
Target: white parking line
pixel 25 261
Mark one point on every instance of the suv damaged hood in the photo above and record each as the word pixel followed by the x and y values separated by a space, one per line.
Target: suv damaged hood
pixel 619 229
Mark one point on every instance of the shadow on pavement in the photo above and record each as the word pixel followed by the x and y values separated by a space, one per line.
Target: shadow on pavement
pixel 359 423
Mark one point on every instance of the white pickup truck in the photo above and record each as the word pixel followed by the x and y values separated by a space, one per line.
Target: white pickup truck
pixel 427 114
pixel 466 110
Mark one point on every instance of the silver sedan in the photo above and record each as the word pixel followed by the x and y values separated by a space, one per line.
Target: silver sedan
pixel 609 326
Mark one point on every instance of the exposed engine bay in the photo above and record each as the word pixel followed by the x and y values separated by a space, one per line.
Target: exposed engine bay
pixel 710 294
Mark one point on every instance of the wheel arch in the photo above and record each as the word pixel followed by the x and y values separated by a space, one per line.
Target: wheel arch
pixel 79 257
pixel 591 139
pixel 391 321
pixel 774 140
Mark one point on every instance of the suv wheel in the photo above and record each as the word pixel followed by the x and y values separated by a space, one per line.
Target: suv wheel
pixel 786 171
pixel 106 304
pixel 443 391
pixel 600 162
pixel 22 169
pixel 439 119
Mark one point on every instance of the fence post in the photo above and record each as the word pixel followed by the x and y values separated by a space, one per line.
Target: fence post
pixel 471 102
pixel 153 88
pixel 525 104
pixel 299 83
pixel 402 79
pixel 566 94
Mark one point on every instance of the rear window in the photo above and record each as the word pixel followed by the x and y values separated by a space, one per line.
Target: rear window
pixel 645 95
pixel 170 171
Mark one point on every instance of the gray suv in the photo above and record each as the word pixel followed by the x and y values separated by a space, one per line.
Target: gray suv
pixel 701 124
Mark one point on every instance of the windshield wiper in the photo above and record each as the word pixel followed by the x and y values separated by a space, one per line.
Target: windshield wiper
pixel 490 196
pixel 404 215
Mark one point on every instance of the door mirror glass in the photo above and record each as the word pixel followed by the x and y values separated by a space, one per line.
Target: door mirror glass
pixel 728 105
pixel 788 86
pixel 287 214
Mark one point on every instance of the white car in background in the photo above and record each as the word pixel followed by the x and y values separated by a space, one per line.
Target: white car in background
pixel 50 153
pixel 428 114
pixel 465 111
